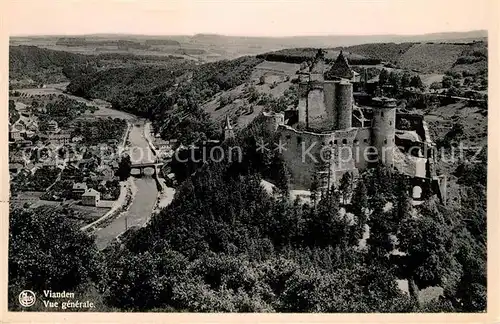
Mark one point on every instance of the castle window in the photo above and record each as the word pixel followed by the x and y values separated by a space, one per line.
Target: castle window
pixel 288 137
pixel 381 114
pixel 356 141
pixel 331 142
pixel 390 123
pixel 365 140
pixel 344 141
pixel 335 142
pixel 385 141
pixel 299 140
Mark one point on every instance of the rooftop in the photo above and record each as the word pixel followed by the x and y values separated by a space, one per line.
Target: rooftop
pixel 408 135
pixel 79 185
pixel 340 68
pixel 91 193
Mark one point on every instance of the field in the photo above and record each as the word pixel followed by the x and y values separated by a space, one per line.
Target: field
pixel 430 57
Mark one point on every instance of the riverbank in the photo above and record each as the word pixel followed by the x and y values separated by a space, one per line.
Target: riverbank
pixel 127 193
pixel 165 194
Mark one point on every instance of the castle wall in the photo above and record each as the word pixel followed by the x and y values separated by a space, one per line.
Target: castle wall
pixel 344 157
pixel 410 165
pixel 328 156
pixel 316 108
pixel 303 155
pixel 362 143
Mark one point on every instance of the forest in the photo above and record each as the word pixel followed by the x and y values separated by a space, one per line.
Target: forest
pixel 225 244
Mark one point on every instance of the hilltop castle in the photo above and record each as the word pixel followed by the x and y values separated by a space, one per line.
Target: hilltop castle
pixel 328 134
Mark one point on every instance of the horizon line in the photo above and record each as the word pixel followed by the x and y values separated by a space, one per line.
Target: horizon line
pixel 249 36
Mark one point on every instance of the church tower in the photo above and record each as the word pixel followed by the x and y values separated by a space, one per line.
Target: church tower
pixel 228 129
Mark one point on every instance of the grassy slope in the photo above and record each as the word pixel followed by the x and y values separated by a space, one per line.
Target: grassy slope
pixel 430 57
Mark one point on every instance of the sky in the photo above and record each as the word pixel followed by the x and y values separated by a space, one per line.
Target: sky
pixel 245 18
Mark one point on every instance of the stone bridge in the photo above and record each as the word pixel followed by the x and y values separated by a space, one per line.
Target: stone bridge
pixel 144 165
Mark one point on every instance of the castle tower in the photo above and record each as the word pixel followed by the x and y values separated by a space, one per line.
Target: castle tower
pixel 384 129
pixel 273 120
pixel 228 129
pixel 343 104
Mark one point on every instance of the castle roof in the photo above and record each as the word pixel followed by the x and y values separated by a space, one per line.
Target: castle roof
pixel 318 65
pixel 384 102
pixel 340 68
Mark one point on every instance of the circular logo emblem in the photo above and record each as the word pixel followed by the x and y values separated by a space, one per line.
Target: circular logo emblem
pixel 27 298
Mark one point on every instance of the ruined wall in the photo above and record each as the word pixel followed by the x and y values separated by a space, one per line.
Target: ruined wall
pixel 415 121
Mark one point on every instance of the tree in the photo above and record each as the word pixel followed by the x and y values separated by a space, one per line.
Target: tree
pixel 453 91
pixel 314 189
pixel 417 82
pixel 405 79
pixel 359 206
pixel 124 168
pixel 447 81
pixel 395 81
pixel 346 186
pixel 47 251
pixel 383 77
pixel 435 85
pixel 428 242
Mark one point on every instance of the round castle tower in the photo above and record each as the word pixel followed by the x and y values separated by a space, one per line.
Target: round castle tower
pixel 343 103
pixel 384 129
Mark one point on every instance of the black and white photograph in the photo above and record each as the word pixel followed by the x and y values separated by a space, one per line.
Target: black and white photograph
pixel 247 156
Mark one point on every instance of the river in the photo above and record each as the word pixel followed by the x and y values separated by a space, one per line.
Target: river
pixel 140 210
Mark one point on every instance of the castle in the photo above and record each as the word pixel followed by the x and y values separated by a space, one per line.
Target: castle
pixel 328 134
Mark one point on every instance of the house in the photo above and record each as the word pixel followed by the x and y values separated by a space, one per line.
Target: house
pixel 15 167
pixel 52 126
pixel 15 134
pixel 91 197
pixel 79 189
pixel 59 138
pixel 107 173
pixel 77 139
